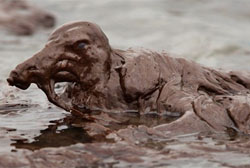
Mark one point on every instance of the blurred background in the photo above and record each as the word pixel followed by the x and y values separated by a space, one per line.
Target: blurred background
pixel 214 33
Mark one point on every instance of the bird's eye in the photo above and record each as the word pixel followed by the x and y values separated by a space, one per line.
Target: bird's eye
pixel 81 45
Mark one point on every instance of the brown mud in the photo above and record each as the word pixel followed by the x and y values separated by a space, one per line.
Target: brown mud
pixel 99 77
pixel 104 139
pixel 213 33
pixel 91 129
pixel 145 110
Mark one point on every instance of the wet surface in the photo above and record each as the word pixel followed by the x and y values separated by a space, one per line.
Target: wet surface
pixel 214 33
pixel 72 129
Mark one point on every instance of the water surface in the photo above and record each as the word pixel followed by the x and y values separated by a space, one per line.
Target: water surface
pixel 213 33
